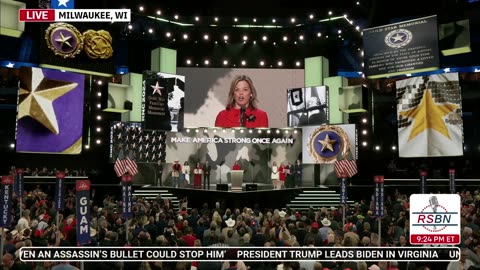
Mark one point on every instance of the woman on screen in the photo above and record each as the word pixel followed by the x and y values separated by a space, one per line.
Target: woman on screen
pixel 242 110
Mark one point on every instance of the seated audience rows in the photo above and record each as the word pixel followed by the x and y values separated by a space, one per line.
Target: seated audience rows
pixel 158 223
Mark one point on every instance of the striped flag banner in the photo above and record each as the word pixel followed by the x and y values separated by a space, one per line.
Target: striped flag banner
pixel 131 166
pixel 348 167
pixel 120 167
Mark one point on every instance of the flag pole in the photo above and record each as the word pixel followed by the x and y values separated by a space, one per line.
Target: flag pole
pixel 379 231
pixel 2 234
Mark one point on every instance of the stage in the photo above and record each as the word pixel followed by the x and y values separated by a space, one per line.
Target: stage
pixel 251 194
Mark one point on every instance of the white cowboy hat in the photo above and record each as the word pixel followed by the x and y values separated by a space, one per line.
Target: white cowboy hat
pixel 282 213
pixel 230 222
pixel 326 222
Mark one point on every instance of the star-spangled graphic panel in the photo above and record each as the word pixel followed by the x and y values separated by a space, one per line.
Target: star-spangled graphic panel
pixel 129 139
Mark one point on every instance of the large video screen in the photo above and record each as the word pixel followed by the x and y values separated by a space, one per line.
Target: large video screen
pixel 255 150
pixel 307 106
pixel 50 111
pixel 208 90
pixel 326 144
pixel 85 46
pixel 163 97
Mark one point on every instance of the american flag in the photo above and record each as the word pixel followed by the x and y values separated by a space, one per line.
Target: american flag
pixel 348 167
pixel 131 166
pixel 120 167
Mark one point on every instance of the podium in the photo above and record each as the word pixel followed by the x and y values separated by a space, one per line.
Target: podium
pixel 237 180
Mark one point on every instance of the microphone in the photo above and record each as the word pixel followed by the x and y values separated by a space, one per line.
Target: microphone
pixel 242 116
pixel 434 205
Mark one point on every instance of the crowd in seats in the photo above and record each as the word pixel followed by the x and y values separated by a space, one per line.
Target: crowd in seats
pixel 436 169
pixel 44 171
pixel 158 223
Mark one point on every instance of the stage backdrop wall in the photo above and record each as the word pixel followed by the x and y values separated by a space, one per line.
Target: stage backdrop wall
pixel 208 89
pixel 255 151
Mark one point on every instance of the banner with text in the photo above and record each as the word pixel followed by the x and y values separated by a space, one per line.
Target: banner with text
pixel 379 197
pixel 6 195
pixel 60 191
pixel 247 254
pixel 82 188
pixel 127 196
pixel 19 181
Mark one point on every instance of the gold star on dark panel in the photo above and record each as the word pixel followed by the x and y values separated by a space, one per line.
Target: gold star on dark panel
pixel 37 95
pixel 327 143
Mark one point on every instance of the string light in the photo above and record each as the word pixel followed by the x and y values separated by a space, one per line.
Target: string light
pixel 247 37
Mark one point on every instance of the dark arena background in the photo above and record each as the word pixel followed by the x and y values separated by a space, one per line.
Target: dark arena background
pixel 137 132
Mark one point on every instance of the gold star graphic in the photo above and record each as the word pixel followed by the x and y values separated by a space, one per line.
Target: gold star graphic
pixel 156 89
pixel 37 95
pixel 64 40
pixel 429 114
pixel 327 143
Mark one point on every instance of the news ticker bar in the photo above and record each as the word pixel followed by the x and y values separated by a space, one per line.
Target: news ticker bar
pixel 86 254
pixel 74 15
